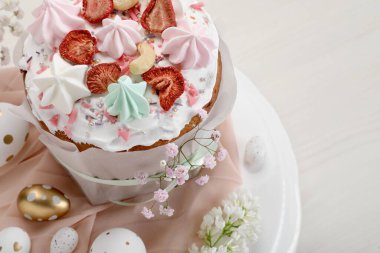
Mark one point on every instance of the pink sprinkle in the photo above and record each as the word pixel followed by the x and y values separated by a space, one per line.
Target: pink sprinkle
pixel 48 107
pixel 67 131
pixel 111 118
pixel 42 69
pixel 86 105
pixel 73 116
pixel 123 133
pixel 54 120
pixel 192 94
pixel 198 6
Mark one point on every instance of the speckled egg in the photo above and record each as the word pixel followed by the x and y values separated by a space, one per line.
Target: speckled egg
pixel 13 239
pixel 42 203
pixel 255 154
pixel 118 240
pixel 64 241
pixel 13 134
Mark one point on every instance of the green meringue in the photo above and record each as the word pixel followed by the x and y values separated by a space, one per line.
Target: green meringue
pixel 126 100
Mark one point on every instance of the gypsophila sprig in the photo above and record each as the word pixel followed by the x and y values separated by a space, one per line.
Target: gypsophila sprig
pixel 231 227
pixel 10 13
pixel 179 165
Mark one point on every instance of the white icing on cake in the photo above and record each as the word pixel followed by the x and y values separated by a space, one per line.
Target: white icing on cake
pixel 93 126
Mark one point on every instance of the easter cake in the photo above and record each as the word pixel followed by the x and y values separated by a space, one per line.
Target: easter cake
pixel 112 85
pixel 121 75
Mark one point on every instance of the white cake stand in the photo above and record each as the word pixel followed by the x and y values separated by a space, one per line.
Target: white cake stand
pixel 276 183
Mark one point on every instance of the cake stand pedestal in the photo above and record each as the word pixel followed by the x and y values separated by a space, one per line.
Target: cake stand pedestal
pixel 276 183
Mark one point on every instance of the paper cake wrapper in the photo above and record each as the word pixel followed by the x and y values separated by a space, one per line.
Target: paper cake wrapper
pixel 102 164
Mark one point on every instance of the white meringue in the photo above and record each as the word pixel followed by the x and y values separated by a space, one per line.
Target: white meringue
pixel 62 84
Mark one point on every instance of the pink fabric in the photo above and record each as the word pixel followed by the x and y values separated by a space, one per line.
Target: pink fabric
pixel 161 235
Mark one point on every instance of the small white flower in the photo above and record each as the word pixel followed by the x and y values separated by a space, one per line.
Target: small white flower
pixel 2 32
pixel 5 18
pixel 171 150
pixel 240 210
pixel 9 5
pixel 166 211
pixel 16 28
pixel 203 180
pixel 5 56
pixel 19 14
pixel 216 135
pixel 221 155
pixel 148 214
pixel 163 163
pixel 209 161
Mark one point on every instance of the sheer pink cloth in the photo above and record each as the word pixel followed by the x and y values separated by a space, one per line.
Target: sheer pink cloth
pixel 34 165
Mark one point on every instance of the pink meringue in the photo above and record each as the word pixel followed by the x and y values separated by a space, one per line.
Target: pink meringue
pixel 188 45
pixel 54 19
pixel 118 36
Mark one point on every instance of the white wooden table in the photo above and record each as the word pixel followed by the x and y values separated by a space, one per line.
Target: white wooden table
pixel 318 63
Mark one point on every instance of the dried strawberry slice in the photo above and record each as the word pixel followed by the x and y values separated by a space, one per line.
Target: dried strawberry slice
pixel 78 47
pixel 102 75
pixel 169 82
pixel 158 16
pixel 94 11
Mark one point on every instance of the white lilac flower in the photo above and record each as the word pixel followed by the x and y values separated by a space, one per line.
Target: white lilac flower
pixel 221 155
pixel 171 150
pixel 209 161
pixel 216 135
pixel 141 177
pixel 166 211
pixel 19 14
pixel 9 5
pixel 16 28
pixel 230 227
pixel 2 32
pixel 5 18
pixel 147 213
pixel 161 195
pixel 202 180
pixel 5 56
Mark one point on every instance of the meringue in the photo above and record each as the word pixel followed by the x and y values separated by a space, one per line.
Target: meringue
pixel 126 100
pixel 54 19
pixel 62 84
pixel 188 45
pixel 118 36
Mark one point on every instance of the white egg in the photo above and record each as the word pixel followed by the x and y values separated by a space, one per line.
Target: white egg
pixel 255 154
pixel 64 241
pixel 13 239
pixel 118 240
pixel 13 134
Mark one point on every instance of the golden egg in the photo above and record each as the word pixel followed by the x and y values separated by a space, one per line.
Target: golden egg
pixel 42 203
